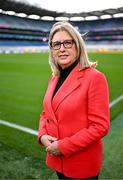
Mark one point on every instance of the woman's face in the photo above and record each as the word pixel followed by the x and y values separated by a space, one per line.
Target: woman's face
pixel 64 54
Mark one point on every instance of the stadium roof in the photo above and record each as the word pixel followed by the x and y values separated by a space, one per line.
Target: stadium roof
pixel 21 7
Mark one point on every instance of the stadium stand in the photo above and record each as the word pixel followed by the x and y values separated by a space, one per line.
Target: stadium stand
pixel 16 33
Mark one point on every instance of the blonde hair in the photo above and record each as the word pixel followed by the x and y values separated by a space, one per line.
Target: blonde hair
pixel 82 55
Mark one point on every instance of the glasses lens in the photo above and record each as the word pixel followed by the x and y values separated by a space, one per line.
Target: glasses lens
pixel 55 45
pixel 68 43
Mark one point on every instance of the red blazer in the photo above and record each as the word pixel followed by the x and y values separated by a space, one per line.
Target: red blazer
pixel 78 116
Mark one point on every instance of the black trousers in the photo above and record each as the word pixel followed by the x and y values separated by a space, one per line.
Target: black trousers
pixel 61 176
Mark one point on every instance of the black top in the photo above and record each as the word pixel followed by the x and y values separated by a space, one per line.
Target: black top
pixel 63 75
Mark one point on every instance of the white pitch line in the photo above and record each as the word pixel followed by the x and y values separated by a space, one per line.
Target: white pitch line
pixel 22 128
pixel 115 101
pixel 34 132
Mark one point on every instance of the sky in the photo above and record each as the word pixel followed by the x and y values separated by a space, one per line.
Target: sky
pixel 75 6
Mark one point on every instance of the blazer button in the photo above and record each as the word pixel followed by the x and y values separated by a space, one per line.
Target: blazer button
pixel 48 121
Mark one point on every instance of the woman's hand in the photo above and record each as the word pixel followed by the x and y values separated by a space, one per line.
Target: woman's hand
pixel 47 140
pixel 53 149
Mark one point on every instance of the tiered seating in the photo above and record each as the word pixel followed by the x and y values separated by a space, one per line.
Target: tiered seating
pixel 101 25
pixel 25 23
pixel 28 31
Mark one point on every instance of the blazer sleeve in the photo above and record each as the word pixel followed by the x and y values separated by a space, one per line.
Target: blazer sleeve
pixel 42 123
pixel 42 126
pixel 98 118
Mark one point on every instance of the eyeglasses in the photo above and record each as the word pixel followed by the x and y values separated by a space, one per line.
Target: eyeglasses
pixel 57 45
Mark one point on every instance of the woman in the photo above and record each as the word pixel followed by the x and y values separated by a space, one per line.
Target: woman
pixel 76 108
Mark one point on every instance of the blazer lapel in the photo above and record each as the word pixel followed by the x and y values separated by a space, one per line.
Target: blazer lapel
pixel 70 84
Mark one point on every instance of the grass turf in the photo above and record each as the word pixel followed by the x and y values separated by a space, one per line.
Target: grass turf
pixel 23 80
pixel 18 164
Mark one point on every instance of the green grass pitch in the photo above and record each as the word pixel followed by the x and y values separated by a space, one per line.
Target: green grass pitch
pixel 23 81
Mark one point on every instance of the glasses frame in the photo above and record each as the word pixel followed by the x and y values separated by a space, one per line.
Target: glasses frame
pixel 60 43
